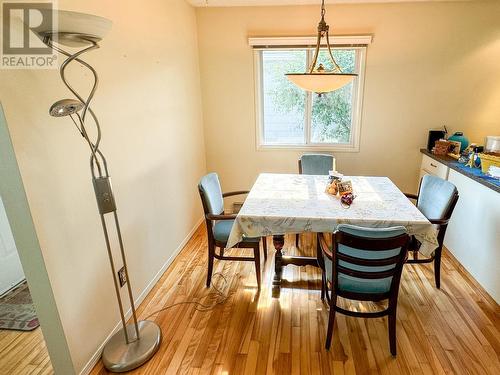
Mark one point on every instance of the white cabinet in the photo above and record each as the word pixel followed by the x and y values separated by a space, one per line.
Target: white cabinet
pixel 473 234
pixel 433 167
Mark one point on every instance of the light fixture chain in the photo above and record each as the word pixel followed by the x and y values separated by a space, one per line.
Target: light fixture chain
pixel 323 30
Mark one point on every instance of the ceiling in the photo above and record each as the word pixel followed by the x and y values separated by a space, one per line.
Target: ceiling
pixel 225 3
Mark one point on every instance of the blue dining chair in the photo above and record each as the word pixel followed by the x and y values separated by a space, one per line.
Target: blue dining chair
pixel 363 264
pixel 314 164
pixel 219 226
pixel 436 199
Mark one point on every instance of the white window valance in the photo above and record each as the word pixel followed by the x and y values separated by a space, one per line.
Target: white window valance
pixel 308 41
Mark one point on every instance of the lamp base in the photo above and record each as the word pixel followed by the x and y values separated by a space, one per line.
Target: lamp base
pixel 118 356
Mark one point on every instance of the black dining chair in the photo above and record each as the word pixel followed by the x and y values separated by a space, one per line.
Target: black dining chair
pixel 219 226
pixel 363 264
pixel 314 164
pixel 436 199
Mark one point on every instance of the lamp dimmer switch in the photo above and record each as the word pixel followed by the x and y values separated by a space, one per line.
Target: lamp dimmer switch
pixel 104 195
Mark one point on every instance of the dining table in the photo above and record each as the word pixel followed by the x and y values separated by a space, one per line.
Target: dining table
pixel 279 204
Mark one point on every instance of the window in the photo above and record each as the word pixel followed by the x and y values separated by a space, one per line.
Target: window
pixel 288 117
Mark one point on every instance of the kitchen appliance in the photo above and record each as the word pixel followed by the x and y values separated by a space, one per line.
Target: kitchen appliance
pixel 434 135
pixel 492 143
pixel 459 137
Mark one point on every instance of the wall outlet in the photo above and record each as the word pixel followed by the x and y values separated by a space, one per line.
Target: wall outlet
pixel 122 277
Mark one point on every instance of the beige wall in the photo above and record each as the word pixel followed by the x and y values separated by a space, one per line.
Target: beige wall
pixel 149 104
pixel 429 64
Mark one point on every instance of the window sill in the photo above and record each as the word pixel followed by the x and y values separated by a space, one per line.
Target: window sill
pixel 330 147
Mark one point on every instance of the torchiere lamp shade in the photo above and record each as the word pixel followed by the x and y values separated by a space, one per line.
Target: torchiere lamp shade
pixel 74 29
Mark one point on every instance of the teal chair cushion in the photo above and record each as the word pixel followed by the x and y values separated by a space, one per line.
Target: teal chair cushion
pixel 435 197
pixel 316 164
pixel 222 229
pixel 353 284
pixel 210 186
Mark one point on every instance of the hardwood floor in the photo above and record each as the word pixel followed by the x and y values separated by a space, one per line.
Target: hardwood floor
pixel 452 330
pixel 24 353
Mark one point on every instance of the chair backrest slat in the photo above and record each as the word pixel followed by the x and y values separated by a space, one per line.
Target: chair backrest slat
pixel 366 275
pixel 375 244
pixel 368 262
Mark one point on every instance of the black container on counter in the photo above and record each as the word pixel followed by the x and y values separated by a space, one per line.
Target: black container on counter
pixel 434 135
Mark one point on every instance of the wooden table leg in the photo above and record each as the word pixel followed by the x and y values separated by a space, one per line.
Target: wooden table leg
pixel 281 261
pixel 278 242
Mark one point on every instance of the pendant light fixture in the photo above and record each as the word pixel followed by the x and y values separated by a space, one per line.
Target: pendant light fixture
pixel 318 79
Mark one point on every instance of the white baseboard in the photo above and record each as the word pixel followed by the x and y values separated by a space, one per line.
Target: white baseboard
pixel 97 355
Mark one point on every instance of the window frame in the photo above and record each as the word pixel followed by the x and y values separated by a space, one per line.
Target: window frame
pixel 356 115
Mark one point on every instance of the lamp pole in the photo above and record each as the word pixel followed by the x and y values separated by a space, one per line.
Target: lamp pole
pixel 133 344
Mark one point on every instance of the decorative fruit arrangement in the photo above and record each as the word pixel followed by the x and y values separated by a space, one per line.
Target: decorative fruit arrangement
pixel 344 188
pixel 347 199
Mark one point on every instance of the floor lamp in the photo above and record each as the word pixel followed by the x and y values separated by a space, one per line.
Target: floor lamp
pixel 136 343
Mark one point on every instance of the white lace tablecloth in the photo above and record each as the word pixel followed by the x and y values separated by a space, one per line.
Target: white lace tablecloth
pixel 289 203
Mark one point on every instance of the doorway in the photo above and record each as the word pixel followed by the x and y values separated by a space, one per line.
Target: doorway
pixel 11 271
pixel 22 346
pixel 26 351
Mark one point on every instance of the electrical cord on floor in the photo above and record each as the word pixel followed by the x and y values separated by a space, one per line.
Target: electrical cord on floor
pixel 198 305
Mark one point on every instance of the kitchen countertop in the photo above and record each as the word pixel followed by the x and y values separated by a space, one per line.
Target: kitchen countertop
pixel 451 163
